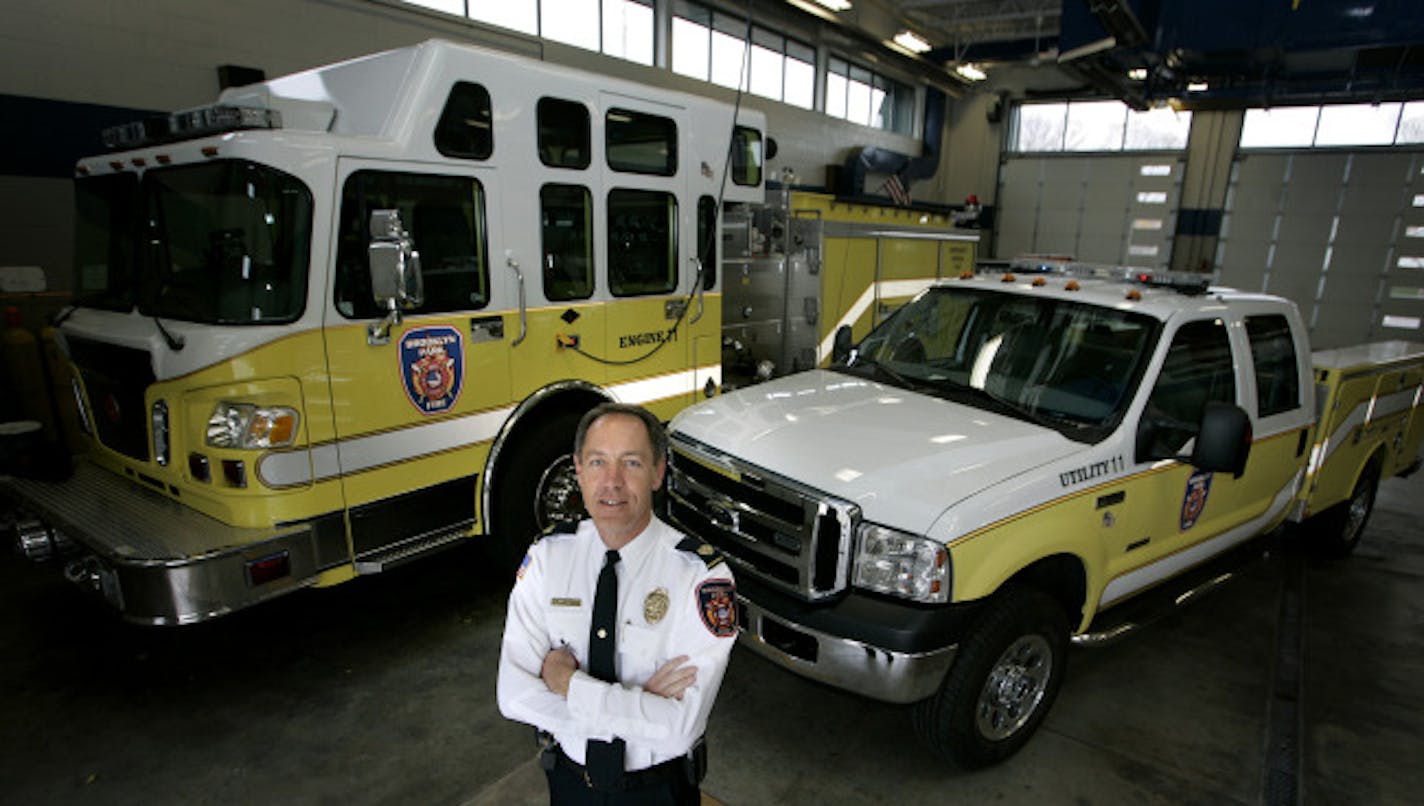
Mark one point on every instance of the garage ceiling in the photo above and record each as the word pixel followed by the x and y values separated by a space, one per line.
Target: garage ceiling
pixel 1245 52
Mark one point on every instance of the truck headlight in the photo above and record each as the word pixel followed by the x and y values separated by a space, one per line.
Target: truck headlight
pixel 243 425
pixel 901 564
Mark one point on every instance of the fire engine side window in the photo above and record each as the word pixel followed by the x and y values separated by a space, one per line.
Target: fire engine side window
pixel 564 141
pixel 1273 354
pixel 1197 370
pixel 446 218
pixel 465 130
pixel 640 143
pixel 106 226
pixel 567 220
pixel 707 240
pixel 746 156
pixel 642 242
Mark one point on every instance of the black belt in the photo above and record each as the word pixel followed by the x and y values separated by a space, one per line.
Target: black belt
pixel 670 770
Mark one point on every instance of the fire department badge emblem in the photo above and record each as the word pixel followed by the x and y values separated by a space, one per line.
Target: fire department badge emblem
pixel 1194 499
pixel 655 606
pixel 432 363
pixel 719 611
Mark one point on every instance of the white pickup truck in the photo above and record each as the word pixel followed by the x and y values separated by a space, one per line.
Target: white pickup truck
pixel 936 516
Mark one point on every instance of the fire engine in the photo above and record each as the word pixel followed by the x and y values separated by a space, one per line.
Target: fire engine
pixel 350 316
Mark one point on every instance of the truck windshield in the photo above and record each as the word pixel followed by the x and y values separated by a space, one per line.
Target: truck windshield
pixel 1069 366
pixel 221 242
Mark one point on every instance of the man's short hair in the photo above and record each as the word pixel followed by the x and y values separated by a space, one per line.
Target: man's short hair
pixel 657 436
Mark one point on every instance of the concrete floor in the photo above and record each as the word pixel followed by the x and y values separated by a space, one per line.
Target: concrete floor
pixel 382 691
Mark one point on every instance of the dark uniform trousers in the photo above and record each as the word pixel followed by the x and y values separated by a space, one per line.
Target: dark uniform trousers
pixel 568 786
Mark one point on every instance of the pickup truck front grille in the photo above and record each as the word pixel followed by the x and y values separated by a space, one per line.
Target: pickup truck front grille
pixel 782 532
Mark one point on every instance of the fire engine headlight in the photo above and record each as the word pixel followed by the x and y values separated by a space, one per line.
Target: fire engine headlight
pixel 901 564
pixel 243 425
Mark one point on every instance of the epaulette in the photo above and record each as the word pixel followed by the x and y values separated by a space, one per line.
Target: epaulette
pixel 704 551
pixel 558 528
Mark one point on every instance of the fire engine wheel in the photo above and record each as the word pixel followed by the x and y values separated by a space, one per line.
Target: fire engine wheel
pixel 1002 683
pixel 1336 531
pixel 537 490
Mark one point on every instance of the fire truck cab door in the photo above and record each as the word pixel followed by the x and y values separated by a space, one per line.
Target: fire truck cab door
pixel 415 409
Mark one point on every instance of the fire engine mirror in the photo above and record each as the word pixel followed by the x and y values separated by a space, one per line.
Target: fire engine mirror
pixel 395 265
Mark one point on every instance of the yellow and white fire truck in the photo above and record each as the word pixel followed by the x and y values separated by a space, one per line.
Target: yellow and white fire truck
pixel 350 316
pixel 1010 462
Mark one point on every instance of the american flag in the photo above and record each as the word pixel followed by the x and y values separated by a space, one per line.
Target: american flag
pixel 897 190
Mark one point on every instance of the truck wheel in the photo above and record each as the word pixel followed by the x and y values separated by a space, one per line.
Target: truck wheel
pixel 1002 683
pixel 538 488
pixel 1336 531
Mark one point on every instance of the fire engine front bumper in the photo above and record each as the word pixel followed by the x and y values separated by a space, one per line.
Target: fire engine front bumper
pixel 883 650
pixel 157 561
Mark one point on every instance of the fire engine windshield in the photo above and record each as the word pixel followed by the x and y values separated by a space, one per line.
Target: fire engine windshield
pixel 221 242
pixel 1069 366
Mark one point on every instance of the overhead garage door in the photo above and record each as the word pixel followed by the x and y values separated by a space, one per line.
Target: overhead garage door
pixel 1117 209
pixel 1341 233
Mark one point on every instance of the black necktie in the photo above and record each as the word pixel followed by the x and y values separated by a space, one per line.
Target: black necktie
pixel 604 760
pixel 603 629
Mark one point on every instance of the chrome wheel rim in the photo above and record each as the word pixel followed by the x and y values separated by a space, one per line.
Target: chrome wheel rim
pixel 557 498
pixel 1355 516
pixel 1015 687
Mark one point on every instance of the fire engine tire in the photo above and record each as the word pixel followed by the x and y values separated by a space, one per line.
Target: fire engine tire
pixel 1002 683
pixel 536 490
pixel 1336 531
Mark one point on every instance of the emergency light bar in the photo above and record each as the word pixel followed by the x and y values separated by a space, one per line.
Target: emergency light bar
pixel 1189 283
pixel 189 124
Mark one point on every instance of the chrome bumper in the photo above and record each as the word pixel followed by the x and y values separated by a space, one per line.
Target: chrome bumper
pixel 155 560
pixel 880 674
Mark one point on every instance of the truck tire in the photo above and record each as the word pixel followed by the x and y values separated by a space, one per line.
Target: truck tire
pixel 1336 531
pixel 537 489
pixel 1002 683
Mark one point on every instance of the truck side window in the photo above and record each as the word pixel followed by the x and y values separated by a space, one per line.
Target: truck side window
pixel 642 242
pixel 1273 354
pixel 466 127
pixel 707 240
pixel 746 156
pixel 639 143
pixel 1197 370
pixel 563 133
pixel 446 218
pixel 566 213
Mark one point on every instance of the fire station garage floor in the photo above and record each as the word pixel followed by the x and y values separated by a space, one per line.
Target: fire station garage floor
pixel 382 691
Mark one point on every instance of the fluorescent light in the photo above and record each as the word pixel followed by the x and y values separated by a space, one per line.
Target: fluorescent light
pixel 1198 86
pixel 834 5
pixel 971 72
pixel 911 41
pixel 1137 74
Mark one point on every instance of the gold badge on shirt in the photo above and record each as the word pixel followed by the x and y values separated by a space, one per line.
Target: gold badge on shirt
pixel 655 606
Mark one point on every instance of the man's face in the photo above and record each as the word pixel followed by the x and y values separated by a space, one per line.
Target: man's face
pixel 617 474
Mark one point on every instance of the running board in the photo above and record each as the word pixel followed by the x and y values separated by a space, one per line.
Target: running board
pixel 415 548
pixel 1119 622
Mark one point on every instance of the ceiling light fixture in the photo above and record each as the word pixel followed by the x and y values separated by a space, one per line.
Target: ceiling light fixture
pixel 911 41
pixel 834 5
pixel 1137 74
pixel 1198 86
pixel 971 72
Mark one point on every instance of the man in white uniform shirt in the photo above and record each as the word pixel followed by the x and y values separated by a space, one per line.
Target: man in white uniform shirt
pixel 632 733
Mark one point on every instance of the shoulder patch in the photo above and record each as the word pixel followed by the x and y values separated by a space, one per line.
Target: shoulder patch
pixel 704 551
pixel 716 603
